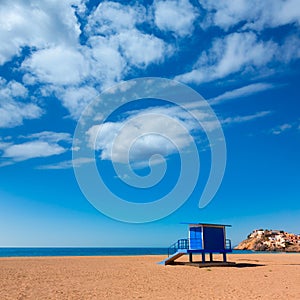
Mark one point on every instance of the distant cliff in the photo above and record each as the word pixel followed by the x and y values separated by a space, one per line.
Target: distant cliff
pixel 270 240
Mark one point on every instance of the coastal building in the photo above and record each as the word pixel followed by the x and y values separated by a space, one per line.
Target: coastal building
pixel 257 232
pixel 272 240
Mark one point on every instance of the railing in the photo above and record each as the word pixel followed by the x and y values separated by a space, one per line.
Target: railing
pixel 180 244
pixel 185 244
pixel 228 244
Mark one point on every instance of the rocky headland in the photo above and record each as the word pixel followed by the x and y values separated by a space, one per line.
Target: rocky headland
pixel 270 240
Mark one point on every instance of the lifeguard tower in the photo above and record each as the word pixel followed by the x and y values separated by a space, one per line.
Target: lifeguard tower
pixel 202 239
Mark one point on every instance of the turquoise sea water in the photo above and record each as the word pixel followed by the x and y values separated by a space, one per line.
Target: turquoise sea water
pixel 21 252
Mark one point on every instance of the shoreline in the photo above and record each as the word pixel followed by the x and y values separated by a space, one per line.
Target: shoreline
pixel 146 255
pixel 272 276
pixel 95 251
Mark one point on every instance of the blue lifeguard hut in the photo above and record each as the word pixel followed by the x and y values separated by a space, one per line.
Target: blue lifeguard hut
pixel 202 238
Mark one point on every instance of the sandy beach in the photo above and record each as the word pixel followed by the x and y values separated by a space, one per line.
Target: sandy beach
pixel 255 276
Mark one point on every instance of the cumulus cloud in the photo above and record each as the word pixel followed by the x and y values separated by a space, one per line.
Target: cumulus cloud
pixel 57 65
pixel 42 144
pixel 156 130
pixel 144 133
pixel 37 24
pixel 71 50
pixel 75 99
pixel 14 106
pixel 143 49
pixel 32 149
pixel 177 16
pixel 107 65
pixel 112 17
pixel 116 42
pixel 256 14
pixel 112 47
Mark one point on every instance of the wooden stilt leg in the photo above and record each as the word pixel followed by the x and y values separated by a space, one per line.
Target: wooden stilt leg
pixel 203 257
pixel 211 256
pixel 224 257
pixel 191 257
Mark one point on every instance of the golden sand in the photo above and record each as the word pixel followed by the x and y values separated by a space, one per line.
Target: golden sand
pixel 256 276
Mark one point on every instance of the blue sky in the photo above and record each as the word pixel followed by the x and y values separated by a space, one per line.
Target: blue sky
pixel 57 57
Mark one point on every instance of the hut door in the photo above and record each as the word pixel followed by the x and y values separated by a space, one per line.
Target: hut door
pixel 196 238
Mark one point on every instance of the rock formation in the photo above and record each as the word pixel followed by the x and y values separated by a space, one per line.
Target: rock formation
pixel 270 240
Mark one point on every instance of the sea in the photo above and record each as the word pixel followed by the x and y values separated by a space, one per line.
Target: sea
pixel 35 252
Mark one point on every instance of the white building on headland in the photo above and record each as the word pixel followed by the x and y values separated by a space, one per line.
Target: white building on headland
pixel 275 238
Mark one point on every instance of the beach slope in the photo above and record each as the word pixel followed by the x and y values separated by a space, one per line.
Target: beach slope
pixel 255 276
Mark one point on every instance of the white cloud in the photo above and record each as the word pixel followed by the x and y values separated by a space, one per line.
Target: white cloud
pixel 237 52
pixel 14 108
pixel 211 125
pixel 141 49
pixel 158 130
pixel 57 65
pixel 14 113
pixel 241 119
pixel 177 16
pixel 280 129
pixel 37 24
pixel 116 44
pixel 5 163
pixel 32 149
pixel 113 56
pixel 257 14
pixel 72 61
pixel 12 89
pixel 290 49
pixel 76 99
pixel 42 144
pixel 112 48
pixel 4 145
pixel 144 134
pixel 285 127
pixel 50 136
pixel 241 50
pixel 106 62
pixel 241 92
pixel 112 17
pixel 67 164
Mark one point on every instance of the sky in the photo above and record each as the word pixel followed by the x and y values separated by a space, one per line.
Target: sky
pixel 218 121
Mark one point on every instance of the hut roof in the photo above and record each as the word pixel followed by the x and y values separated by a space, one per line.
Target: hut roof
pixel 206 224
